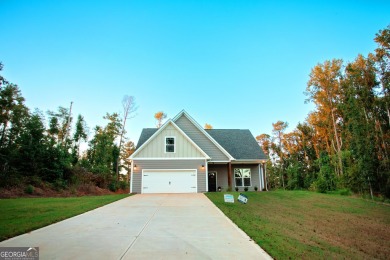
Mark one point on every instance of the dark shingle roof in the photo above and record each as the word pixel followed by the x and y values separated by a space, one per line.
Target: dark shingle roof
pixel 145 135
pixel 240 143
pixel 237 142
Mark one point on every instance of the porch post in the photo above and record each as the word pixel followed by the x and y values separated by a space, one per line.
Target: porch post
pixel 230 175
pixel 265 176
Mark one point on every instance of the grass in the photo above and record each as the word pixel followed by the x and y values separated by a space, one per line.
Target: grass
pixel 22 215
pixel 308 225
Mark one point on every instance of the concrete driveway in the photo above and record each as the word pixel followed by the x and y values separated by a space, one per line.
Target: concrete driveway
pixel 158 226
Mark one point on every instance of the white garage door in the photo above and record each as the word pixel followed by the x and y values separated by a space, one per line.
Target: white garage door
pixel 169 181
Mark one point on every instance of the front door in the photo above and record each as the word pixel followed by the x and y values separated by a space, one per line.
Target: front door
pixel 212 180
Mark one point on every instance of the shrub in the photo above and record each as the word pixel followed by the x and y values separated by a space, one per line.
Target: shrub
pixel 113 186
pixel 123 185
pixel 246 189
pixel 345 192
pixel 29 189
pixel 60 184
pixel 236 188
pixel 256 188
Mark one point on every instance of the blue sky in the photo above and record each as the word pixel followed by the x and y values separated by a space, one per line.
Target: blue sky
pixel 232 64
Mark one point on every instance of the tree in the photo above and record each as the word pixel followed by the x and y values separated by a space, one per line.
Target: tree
pixel 126 152
pixel 60 125
pixel 264 140
pixel 278 130
pixel 208 126
pixel 383 65
pixel 103 153
pixel 129 109
pixel 12 109
pixel 160 116
pixel 80 134
pixel 323 88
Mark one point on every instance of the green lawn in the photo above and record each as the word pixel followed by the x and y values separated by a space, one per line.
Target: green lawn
pixel 308 225
pixel 22 215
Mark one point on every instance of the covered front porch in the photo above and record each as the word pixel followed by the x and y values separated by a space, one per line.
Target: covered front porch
pixel 224 175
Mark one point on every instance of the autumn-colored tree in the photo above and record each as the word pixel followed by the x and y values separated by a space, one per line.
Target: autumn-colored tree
pixel 324 89
pixel 160 116
pixel 278 131
pixel 208 126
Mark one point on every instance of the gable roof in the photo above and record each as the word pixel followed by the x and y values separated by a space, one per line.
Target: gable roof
pixel 148 135
pixel 145 135
pixel 200 128
pixel 240 143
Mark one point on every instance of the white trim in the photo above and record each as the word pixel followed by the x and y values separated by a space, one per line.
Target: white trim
pixel 219 161
pixel 174 144
pixel 170 158
pixel 256 161
pixel 234 177
pixel 131 176
pixel 207 175
pixel 160 130
pixel 170 170
pixel 183 112
pixel 260 181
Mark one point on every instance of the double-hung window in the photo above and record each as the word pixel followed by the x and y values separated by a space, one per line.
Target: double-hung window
pixel 242 177
pixel 169 144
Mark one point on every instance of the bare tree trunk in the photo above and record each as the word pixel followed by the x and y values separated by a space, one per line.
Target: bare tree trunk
pixel 382 140
pixel 338 144
pixel 68 123
pixel 369 184
pixel 3 134
pixel 129 108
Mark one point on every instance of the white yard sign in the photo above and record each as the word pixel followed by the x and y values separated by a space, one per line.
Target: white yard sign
pixel 228 198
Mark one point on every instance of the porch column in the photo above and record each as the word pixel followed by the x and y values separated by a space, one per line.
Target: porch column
pixel 230 175
pixel 265 176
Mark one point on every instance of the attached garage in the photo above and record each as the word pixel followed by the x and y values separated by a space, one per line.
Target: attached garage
pixel 169 181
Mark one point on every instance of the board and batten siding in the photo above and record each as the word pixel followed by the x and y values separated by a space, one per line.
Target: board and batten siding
pixel 156 147
pixel 200 139
pixel 168 164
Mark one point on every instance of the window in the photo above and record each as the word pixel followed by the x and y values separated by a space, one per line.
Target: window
pixel 242 177
pixel 169 144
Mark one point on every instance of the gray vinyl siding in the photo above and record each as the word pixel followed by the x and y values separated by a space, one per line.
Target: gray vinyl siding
pixel 255 181
pixel 169 164
pixel 200 139
pixel 222 175
pixel 222 171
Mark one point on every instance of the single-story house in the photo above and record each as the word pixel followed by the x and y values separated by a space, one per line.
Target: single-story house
pixel 182 157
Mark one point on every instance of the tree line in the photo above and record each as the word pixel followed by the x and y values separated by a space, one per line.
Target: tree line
pixel 37 147
pixel 344 142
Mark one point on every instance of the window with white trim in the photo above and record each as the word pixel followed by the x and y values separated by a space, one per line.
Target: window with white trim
pixel 170 144
pixel 242 177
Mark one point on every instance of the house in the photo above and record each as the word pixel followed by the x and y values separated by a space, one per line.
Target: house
pixel 182 157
